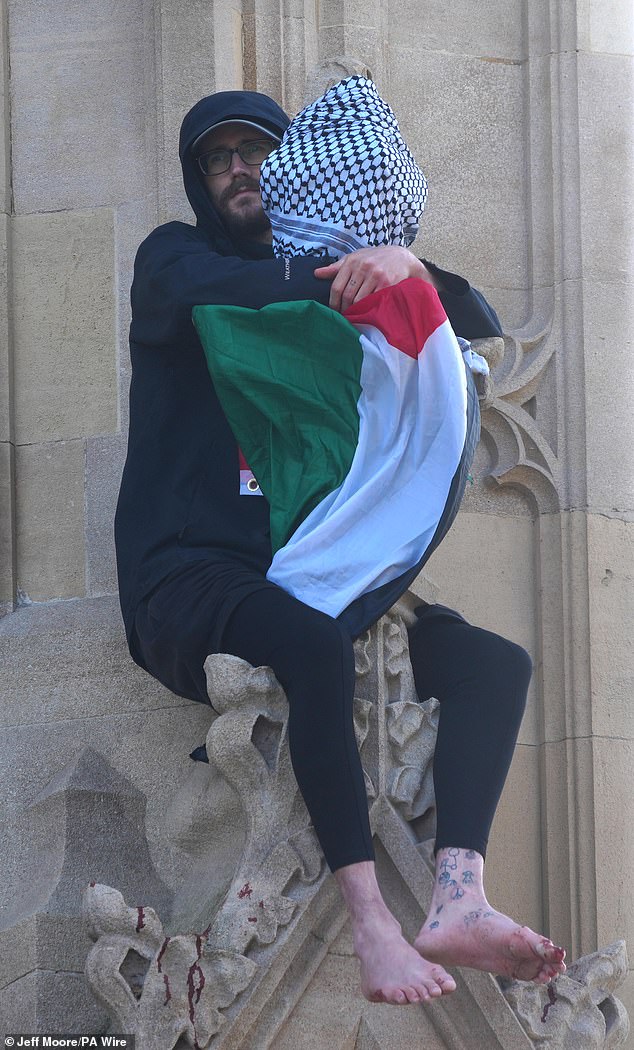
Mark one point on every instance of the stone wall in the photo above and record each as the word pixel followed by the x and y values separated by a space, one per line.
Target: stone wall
pixel 522 121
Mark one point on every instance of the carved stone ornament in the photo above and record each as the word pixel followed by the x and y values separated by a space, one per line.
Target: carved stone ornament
pixel 235 983
pixel 579 1011
pixel 524 456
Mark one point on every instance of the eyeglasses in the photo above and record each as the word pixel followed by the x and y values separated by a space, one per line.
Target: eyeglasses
pixel 219 160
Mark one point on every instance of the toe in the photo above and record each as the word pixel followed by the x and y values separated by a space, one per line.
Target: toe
pixel 434 983
pixel 411 994
pixel 548 951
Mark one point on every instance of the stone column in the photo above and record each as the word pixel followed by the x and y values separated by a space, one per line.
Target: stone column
pixel 8 583
pixel 558 432
pixel 602 79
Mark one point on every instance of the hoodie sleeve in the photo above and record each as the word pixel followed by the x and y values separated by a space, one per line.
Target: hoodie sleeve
pixel 175 270
pixel 469 313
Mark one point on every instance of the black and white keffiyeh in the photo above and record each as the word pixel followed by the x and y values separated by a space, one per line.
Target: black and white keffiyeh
pixel 342 177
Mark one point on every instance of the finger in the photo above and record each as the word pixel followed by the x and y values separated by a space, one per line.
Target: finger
pixel 368 286
pixel 358 290
pixel 331 270
pixel 338 289
pixel 347 295
pixel 351 292
pixel 334 299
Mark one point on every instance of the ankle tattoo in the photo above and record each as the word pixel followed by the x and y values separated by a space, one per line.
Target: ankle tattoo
pixel 448 866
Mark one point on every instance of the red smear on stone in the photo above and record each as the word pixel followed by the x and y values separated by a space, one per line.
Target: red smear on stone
pixel 141 920
pixel 252 918
pixel 261 904
pixel 195 985
pixel 246 891
pixel 166 980
pixel 552 996
pixel 161 954
pixel 93 884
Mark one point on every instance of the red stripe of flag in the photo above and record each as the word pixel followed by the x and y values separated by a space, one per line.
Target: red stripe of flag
pixel 407 314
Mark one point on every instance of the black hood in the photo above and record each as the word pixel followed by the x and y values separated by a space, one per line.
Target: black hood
pixel 224 105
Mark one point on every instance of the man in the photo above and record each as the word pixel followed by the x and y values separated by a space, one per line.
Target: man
pixel 193 553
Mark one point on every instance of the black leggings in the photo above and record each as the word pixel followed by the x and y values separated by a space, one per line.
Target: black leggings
pixel 479 678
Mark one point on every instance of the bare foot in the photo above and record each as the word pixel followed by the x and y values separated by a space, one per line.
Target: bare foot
pixel 462 929
pixel 484 939
pixel 391 970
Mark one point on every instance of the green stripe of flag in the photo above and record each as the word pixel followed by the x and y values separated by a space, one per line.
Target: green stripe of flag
pixel 288 379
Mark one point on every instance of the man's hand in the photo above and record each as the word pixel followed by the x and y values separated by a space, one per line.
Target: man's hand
pixel 369 269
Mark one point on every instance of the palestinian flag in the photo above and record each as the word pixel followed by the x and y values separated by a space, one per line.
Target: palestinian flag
pixel 360 430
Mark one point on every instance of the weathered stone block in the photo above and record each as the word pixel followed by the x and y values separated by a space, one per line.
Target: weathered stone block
pixel 614 841
pixel 85 643
pixel 263 65
pixel 6 338
pixel 104 464
pixel 349 12
pixel 480 549
pixel 496 33
pixel 605 26
pixel 475 216
pixel 611 609
pixel 50 519
pixel 332 1016
pixel 7 528
pixel 7 452
pixel 151 748
pixel 609 381
pixel 606 145
pixel 5 120
pixel 45 1001
pixel 82 689
pixel 545 213
pixel 65 60
pixel 228 46
pixel 569 869
pixel 65 359
pixel 88 821
pixel 562 540
pixel 185 42
pixel 94 676
pixel 514 856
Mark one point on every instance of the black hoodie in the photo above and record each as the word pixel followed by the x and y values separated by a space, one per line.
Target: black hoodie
pixel 179 500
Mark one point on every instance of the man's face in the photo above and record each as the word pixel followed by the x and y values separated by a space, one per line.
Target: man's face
pixel 236 192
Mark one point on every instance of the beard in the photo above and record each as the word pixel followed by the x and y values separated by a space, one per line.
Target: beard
pixel 244 218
